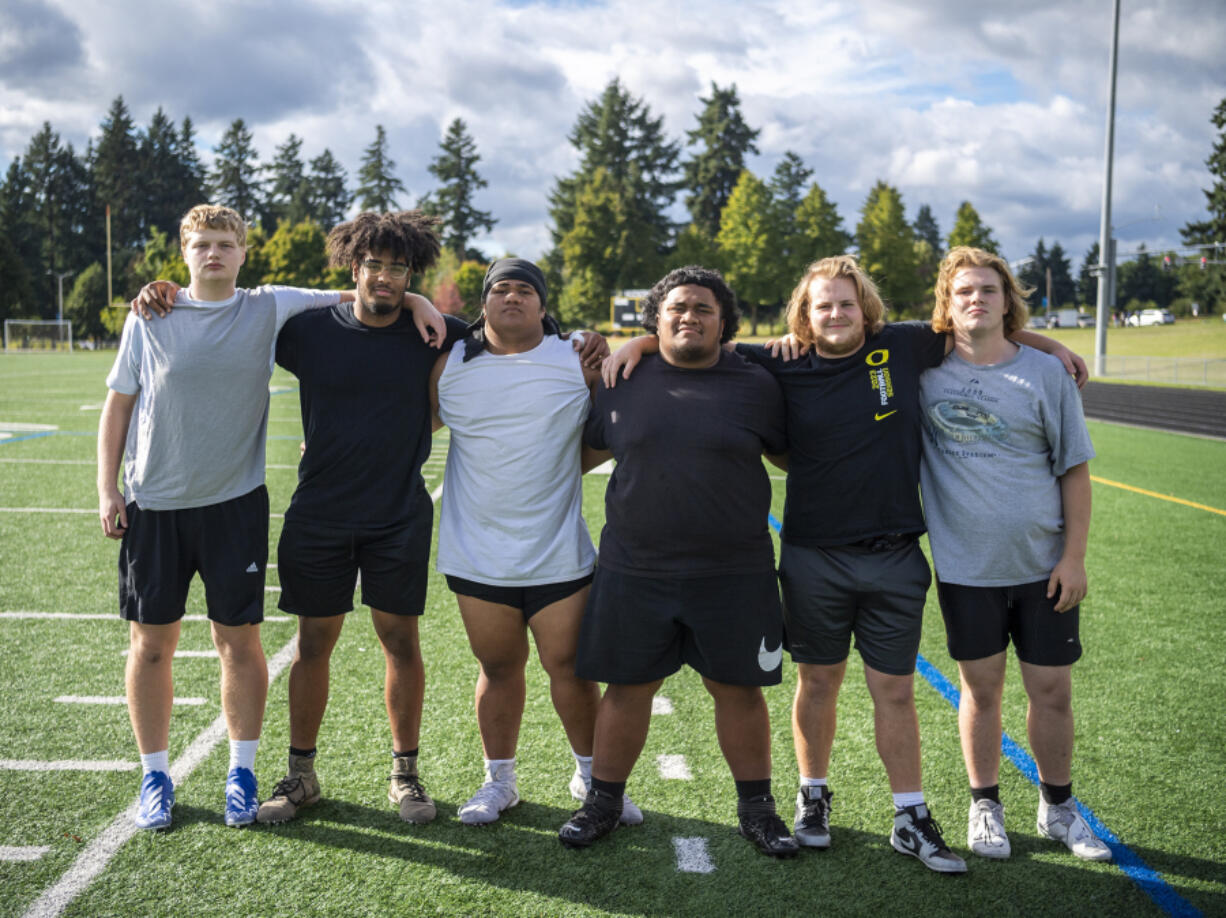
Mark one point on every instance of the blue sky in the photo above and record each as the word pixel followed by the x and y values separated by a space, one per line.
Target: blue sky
pixel 948 100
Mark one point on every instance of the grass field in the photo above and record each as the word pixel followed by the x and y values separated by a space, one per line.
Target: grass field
pixel 1150 697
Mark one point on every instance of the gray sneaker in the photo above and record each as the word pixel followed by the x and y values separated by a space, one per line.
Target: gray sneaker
pixel 405 789
pixel 299 788
pixel 1063 823
pixel 812 823
pixel 916 833
pixel 985 830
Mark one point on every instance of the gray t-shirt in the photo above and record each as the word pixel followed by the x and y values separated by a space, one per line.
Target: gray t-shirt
pixel 197 432
pixel 996 441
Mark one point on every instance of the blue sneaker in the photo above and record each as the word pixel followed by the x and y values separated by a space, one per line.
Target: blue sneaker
pixel 242 797
pixel 157 796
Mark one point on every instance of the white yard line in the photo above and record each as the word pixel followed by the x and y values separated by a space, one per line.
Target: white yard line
pixel 23 852
pixel 109 616
pixel 661 704
pixel 673 768
pixel 66 765
pixel 692 855
pixel 115 699
pixel 99 852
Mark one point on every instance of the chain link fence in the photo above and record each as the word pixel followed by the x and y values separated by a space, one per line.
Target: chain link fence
pixel 1185 371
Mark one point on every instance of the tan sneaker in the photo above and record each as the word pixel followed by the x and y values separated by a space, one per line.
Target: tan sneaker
pixel 299 788
pixel 405 789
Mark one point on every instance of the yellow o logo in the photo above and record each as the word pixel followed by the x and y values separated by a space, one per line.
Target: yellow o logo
pixel 877 358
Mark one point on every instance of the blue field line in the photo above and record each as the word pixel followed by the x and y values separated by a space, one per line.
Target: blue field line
pixel 1148 879
pixel 50 433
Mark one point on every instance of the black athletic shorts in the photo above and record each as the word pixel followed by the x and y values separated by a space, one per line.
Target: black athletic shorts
pixel 529 600
pixel 226 543
pixel 980 621
pixel 640 629
pixel 829 594
pixel 319 567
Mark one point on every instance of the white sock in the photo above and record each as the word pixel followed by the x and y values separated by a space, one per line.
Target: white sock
pixel 242 753
pixel 492 767
pixel 909 798
pixel 812 782
pixel 584 764
pixel 156 761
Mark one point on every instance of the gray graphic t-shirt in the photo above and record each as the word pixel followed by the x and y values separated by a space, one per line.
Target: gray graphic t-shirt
pixel 996 441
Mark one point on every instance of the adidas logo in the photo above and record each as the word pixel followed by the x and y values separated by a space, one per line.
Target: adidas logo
pixel 253 568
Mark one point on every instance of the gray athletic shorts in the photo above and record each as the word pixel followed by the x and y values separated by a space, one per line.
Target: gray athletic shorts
pixel 829 594
pixel 639 629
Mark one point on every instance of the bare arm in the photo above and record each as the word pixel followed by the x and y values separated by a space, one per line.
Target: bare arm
pixel 1073 364
pixel 429 321
pixel 436 374
pixel 591 345
pixel 594 457
pixel 623 361
pixel 1069 575
pixel 112 435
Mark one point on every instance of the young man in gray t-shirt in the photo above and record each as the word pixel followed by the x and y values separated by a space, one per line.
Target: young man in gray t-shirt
pixel 1006 486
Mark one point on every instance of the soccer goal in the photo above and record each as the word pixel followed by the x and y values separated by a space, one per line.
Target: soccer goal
pixel 37 335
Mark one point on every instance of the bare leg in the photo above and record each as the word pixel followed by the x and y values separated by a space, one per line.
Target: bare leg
pixel 742 724
pixel 1049 720
pixel 405 686
pixel 499 641
pixel 308 678
pixel 897 728
pixel 556 632
pixel 983 684
pixel 622 721
pixel 814 715
pixel 149 684
pixel 244 678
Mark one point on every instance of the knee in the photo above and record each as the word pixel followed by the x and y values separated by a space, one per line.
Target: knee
pixel 1056 697
pixel 239 647
pixel 151 650
pixel 818 688
pixel 895 693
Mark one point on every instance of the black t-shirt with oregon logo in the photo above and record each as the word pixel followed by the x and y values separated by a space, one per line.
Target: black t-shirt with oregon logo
pixel 854 436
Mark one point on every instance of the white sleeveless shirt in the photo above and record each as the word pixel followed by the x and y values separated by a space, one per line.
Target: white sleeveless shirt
pixel 512 491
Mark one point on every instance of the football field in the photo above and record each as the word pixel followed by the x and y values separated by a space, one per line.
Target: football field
pixel 1149 765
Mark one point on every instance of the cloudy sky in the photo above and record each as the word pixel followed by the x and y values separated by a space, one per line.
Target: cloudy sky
pixel 948 100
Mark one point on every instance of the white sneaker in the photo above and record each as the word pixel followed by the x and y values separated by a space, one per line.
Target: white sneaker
pixel 499 792
pixel 985 829
pixel 1063 823
pixel 579 786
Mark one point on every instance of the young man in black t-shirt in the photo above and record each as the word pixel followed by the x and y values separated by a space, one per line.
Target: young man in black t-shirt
pixel 361 504
pixel 686 569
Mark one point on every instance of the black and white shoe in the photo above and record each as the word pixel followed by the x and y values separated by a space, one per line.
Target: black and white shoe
pixel 594 820
pixel 916 833
pixel 812 823
pixel 762 826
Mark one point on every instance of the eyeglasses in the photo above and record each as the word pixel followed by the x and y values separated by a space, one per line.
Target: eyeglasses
pixel 371 266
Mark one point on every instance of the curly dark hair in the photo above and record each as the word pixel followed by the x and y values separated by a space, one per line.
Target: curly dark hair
pixel 699 277
pixel 408 235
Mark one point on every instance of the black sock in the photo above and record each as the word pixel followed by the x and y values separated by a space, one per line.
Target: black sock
pixel 1055 794
pixel 614 789
pixel 403 755
pixel 747 790
pixel 986 793
pixel 302 753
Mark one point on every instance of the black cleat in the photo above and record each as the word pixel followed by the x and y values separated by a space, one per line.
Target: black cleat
pixel 594 820
pixel 762 826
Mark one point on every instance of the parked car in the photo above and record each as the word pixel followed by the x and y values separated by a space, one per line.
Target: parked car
pixel 1085 320
pixel 1152 317
pixel 1040 322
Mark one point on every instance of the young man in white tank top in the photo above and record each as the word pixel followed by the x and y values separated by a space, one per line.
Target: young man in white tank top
pixel 512 539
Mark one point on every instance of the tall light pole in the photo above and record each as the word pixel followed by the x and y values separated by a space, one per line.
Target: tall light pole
pixel 1106 245
pixel 59 278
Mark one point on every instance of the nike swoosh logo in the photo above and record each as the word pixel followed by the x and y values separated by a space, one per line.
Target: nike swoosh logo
pixel 882 417
pixel 769 660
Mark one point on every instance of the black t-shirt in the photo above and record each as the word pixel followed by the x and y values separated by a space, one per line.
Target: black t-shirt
pixel 365 398
pixel 689 496
pixel 854 436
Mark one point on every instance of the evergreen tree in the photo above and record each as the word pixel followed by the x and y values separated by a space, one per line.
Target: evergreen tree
pixel 887 249
pixel 455 168
pixel 625 175
pixel 16 291
pixel 1141 282
pixel 819 230
pixel 1063 287
pixel 288 190
pixel 970 230
pixel 787 189
pixel 234 180
pixel 86 302
pixel 747 238
pixel 1087 281
pixel 1034 274
pixel 927 230
pixel 57 198
pixel 118 179
pixel 328 198
pixel 193 185
pixel 295 255
pixel 1207 286
pixel 712 173
pixel 166 178
pixel 377 181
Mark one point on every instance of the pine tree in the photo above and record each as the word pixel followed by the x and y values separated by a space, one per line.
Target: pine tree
pixel 118 178
pixel 787 190
pixel 377 181
pixel 1034 274
pixel 749 244
pixel 57 199
pixel 712 173
pixel 970 230
pixel 163 173
pixel 1063 288
pixel 926 229
pixel 455 168
pixel 288 190
pixel 328 198
pixel 234 179
pixel 819 230
pixel 193 184
pixel 887 249
pixel 1087 281
pixel 1207 286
